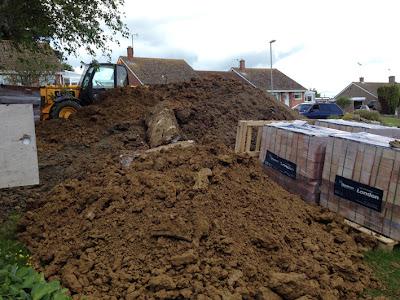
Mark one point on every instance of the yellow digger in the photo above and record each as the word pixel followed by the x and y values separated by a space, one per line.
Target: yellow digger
pixel 63 101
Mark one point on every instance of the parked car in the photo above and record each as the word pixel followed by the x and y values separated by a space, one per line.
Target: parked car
pixel 319 110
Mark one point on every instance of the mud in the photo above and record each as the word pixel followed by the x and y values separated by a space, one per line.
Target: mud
pixel 209 109
pixel 182 223
pixel 148 230
pixel 206 109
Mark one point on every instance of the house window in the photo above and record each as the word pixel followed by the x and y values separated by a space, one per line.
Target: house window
pixel 277 96
pixel 298 96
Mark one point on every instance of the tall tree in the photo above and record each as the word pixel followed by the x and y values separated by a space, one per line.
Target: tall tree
pixel 389 98
pixel 68 24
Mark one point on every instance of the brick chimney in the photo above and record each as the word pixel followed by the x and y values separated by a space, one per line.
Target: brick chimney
pixel 392 79
pixel 242 65
pixel 361 79
pixel 129 51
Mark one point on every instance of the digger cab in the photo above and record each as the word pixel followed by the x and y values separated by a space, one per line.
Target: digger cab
pixel 99 78
pixel 63 101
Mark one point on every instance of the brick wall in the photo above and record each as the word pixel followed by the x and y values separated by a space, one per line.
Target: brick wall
pixel 293 101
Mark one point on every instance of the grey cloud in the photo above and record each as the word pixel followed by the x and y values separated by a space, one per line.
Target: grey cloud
pixel 253 59
pixel 147 31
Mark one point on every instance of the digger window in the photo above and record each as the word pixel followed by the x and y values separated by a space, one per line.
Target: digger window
pixel 104 78
pixel 86 79
pixel 122 76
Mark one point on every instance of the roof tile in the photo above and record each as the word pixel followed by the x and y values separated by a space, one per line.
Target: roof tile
pixel 261 78
pixel 159 70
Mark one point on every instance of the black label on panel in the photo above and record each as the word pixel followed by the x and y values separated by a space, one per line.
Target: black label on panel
pixel 64 93
pixel 365 195
pixel 282 165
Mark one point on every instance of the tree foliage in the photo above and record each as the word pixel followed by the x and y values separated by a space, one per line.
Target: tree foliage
pixel 67 67
pixel 389 98
pixel 30 68
pixel 317 94
pixel 68 24
pixel 343 102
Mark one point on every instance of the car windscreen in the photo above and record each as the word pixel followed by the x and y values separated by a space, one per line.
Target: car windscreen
pixel 303 107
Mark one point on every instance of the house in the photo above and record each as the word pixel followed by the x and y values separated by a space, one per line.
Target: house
pixel 148 71
pixel 28 67
pixel 363 92
pixel 283 88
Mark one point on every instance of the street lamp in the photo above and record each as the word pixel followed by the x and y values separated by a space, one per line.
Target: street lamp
pixel 270 54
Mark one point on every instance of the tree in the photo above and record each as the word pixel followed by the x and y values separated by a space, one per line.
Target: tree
pixel 69 25
pixel 389 98
pixel 67 67
pixel 317 94
pixel 343 101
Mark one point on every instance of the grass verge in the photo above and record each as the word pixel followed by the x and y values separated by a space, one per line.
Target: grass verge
pixel 391 121
pixel 386 267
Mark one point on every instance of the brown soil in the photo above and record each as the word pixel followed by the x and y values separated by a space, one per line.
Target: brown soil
pixel 209 109
pixel 190 223
pixel 195 223
pixel 206 109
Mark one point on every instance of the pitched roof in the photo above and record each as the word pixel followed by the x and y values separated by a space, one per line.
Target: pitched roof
pixel 371 87
pixel 13 59
pixel 224 74
pixel 159 70
pixel 368 88
pixel 261 78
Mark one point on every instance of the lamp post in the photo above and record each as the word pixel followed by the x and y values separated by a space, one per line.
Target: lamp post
pixel 270 55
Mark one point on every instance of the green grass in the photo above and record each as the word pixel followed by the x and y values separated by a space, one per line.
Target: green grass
pixel 11 251
pixel 18 280
pixel 386 267
pixel 391 121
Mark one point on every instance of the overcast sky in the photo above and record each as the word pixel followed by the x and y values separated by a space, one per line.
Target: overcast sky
pixel 318 43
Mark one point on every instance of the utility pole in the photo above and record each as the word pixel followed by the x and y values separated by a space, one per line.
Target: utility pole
pixel 270 55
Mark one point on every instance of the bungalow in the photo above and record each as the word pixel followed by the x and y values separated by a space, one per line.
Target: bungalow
pixel 284 88
pixel 363 92
pixel 148 71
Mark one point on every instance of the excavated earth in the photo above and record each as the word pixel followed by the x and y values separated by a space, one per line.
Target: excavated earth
pixel 114 222
pixel 206 109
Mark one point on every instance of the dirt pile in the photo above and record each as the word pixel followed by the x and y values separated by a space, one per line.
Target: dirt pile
pixel 195 223
pixel 209 109
pixel 206 109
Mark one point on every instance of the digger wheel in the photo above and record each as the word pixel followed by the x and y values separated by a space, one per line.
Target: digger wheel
pixel 64 109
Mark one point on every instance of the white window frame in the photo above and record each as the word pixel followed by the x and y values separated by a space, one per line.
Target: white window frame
pixel 298 96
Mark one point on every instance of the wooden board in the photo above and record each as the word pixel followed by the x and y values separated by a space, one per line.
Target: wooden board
pixel 244 136
pixel 18 155
pixel 385 243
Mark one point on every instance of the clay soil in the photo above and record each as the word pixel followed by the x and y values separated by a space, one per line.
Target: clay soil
pixel 209 109
pixel 206 109
pixel 195 223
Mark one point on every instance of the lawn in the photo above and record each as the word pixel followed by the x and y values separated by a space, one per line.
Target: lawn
pixel 386 267
pixel 391 120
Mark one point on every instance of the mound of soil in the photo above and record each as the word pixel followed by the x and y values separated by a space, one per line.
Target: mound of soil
pixel 196 223
pixel 208 109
